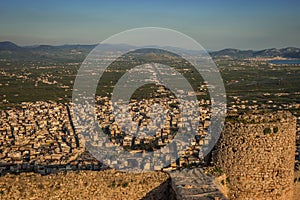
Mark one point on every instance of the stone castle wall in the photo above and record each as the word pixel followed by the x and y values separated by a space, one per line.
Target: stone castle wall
pixel 257 153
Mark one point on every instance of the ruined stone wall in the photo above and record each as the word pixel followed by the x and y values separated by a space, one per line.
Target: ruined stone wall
pixel 257 153
pixel 87 185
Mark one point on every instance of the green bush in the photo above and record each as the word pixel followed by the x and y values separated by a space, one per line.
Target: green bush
pixel 222 182
pixel 228 180
pixel 124 184
pixel 113 184
pixel 275 129
pixel 267 131
pixel 218 170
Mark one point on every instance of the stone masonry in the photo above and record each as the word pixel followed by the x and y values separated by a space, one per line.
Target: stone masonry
pixel 257 153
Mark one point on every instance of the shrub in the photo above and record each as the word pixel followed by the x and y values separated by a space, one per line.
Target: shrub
pixel 218 170
pixel 124 184
pixel 228 180
pixel 275 129
pixel 267 131
pixel 222 182
pixel 113 184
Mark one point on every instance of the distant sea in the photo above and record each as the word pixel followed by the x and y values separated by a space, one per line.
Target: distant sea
pixel 283 62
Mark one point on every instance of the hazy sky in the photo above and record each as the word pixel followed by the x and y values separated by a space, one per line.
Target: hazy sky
pixel 254 24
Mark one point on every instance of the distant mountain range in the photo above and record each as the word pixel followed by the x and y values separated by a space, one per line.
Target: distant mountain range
pixel 289 52
pixel 69 53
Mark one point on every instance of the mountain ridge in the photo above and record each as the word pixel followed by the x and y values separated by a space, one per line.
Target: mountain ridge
pixel 77 51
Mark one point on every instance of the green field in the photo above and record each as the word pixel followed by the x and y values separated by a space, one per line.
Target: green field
pixel 247 80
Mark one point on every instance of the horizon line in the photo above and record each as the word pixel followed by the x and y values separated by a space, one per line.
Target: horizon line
pixel 94 44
